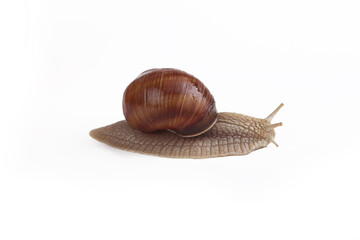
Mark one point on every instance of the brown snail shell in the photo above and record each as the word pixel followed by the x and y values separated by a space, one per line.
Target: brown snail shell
pixel 169 99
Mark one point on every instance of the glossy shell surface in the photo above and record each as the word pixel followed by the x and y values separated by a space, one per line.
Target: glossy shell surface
pixel 171 99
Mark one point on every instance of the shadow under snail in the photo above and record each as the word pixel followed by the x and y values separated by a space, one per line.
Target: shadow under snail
pixel 170 113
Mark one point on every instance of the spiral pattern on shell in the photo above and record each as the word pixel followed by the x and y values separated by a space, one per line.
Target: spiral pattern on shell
pixel 169 99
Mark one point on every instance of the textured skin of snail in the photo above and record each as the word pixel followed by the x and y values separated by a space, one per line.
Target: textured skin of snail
pixel 232 134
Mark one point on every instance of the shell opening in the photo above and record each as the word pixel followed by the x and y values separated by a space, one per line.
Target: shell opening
pixel 199 133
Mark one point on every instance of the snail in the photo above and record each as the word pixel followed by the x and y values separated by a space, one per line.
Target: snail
pixel 170 113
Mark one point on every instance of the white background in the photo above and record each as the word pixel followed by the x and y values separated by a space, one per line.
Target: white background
pixel 65 64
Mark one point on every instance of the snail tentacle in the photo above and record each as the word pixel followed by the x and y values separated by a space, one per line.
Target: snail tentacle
pixel 272 115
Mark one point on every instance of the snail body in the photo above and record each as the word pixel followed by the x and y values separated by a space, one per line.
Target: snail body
pixel 220 134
